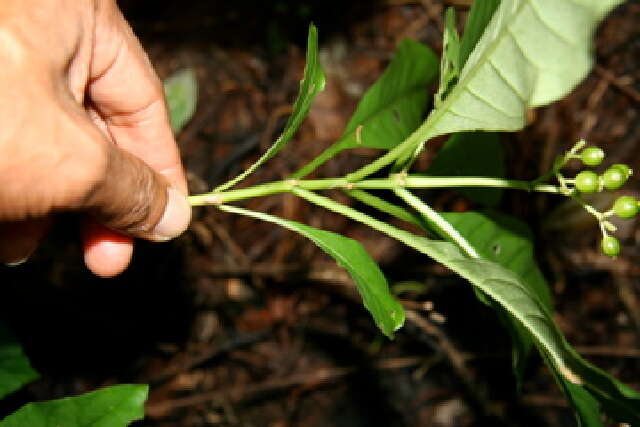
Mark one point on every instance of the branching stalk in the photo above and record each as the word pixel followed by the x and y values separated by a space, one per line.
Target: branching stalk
pixel 425 182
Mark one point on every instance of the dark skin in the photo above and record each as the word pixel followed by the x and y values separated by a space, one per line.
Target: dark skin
pixel 84 129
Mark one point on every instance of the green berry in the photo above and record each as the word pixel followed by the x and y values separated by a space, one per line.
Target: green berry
pixel 587 182
pixel 626 170
pixel 592 156
pixel 610 246
pixel 626 207
pixel 615 177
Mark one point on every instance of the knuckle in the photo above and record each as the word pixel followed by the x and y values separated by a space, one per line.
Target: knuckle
pixel 125 197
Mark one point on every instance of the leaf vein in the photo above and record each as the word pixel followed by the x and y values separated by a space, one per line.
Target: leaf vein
pixel 551 29
pixel 508 82
pixel 491 103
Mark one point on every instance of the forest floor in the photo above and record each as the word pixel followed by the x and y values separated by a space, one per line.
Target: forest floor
pixel 239 323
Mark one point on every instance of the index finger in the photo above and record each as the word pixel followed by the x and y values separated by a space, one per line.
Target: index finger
pixel 128 96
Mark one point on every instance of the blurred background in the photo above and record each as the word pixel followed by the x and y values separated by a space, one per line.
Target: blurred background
pixel 239 323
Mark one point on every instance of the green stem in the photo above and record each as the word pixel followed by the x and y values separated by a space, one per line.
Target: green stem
pixel 437 222
pixel 387 207
pixel 406 147
pixel 389 157
pixel 399 180
pixel 349 212
pixel 318 161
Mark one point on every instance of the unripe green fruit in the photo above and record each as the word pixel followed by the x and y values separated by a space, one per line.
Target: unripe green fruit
pixel 592 156
pixel 625 169
pixel 587 182
pixel 626 207
pixel 615 177
pixel 610 246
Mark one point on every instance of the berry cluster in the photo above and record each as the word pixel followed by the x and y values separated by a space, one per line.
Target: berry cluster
pixel 588 181
pixel 612 179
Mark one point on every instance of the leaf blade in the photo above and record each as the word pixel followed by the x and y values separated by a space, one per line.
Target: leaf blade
pixel 181 93
pixel 312 83
pixel 525 58
pixel 351 255
pixel 403 87
pixel 450 63
pixel 115 406
pixel 15 369
pixel 477 20
pixel 507 242
pixel 507 289
pixel 392 108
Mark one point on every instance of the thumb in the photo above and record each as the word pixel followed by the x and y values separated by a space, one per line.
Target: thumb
pixel 134 199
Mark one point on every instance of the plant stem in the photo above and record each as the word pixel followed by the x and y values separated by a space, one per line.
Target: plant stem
pixel 218 198
pixel 318 161
pixel 387 207
pixel 401 235
pixel 437 222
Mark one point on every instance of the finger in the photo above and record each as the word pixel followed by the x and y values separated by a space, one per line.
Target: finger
pixel 106 253
pixel 132 198
pixel 127 94
pixel 19 239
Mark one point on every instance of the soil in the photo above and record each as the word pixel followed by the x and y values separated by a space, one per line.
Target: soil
pixel 240 323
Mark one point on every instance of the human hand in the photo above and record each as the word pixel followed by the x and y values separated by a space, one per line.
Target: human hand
pixel 83 128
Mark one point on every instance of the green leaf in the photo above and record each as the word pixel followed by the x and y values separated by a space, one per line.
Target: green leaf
pixel 619 401
pixel 585 405
pixel 529 307
pixel 181 92
pixel 312 83
pixel 507 242
pixel 472 154
pixel 575 374
pixel 509 290
pixel 392 108
pixel 15 370
pixel 533 52
pixel 110 407
pixel 477 20
pixel 496 237
pixel 450 64
pixel 351 255
pixel 504 286
pixel 396 103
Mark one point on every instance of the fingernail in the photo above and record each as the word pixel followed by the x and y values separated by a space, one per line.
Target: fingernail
pixel 17 263
pixel 176 217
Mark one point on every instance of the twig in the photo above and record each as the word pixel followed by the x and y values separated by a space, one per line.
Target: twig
pixel 591 117
pixel 631 353
pixel 618 84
